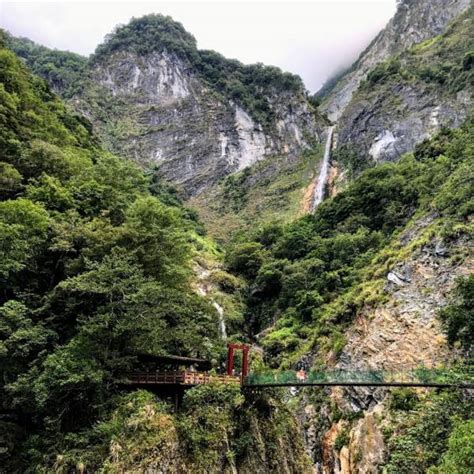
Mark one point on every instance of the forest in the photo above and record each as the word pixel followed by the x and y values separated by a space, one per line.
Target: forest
pixel 97 262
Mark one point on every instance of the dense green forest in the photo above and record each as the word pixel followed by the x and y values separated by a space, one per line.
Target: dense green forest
pixel 64 71
pixel 95 267
pixel 96 262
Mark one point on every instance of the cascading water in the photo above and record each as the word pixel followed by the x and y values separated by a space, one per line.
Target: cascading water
pixel 220 312
pixel 203 288
pixel 318 195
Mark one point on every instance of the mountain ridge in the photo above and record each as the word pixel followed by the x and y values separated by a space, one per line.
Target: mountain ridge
pixel 140 95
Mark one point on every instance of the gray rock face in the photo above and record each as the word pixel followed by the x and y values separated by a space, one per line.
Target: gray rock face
pixel 386 118
pixel 159 112
pixel 415 21
pixel 384 131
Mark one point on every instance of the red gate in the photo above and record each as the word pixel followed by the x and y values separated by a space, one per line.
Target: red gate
pixel 231 348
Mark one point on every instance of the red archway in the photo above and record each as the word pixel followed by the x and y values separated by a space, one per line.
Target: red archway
pixel 231 348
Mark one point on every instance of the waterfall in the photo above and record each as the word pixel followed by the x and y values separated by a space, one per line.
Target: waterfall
pixel 220 312
pixel 318 195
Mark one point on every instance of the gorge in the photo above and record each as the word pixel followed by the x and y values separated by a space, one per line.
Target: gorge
pixel 157 199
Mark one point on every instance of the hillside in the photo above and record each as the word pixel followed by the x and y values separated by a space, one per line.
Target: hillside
pixel 162 206
pixel 361 285
pixel 192 114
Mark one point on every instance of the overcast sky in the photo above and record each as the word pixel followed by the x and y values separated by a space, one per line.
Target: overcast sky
pixel 310 38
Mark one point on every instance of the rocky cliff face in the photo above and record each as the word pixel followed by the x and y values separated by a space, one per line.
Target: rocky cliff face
pixel 413 95
pixel 414 22
pixel 158 109
pixel 345 433
pixel 408 84
pixel 152 96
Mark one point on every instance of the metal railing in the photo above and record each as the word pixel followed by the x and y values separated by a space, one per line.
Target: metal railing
pixel 419 376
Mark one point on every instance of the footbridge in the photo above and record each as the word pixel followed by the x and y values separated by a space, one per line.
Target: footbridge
pixel 406 377
pixel 166 372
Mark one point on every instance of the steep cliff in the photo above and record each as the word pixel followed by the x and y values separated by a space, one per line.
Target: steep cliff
pixel 195 115
pixel 352 430
pixel 412 95
pixel 414 22
pixel 415 78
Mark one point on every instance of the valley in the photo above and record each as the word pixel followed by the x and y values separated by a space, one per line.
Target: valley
pixel 160 199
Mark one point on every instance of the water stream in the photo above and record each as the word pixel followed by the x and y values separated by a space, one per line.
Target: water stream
pixel 222 328
pixel 203 288
pixel 318 195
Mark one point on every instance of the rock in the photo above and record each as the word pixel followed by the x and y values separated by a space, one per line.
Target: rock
pixel 344 459
pixel 395 278
pixel 401 275
pixel 440 249
pixel 161 113
pixel 414 22
pixel 366 447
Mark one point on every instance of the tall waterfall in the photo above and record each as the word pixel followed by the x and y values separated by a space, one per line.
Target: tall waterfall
pixel 318 195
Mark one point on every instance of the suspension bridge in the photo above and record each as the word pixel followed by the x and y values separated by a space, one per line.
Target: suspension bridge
pixel 166 372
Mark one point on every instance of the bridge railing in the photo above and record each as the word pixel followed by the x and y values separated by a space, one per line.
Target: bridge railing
pixel 418 375
pixel 181 377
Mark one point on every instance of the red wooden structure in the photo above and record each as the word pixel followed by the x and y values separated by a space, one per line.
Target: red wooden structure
pixel 179 377
pixel 231 348
pixel 170 376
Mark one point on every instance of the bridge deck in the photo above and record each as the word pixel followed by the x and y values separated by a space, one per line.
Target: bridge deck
pixel 435 378
pixel 408 377
pixel 182 377
pixel 361 384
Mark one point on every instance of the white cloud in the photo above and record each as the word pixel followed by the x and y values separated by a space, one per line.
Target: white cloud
pixel 310 38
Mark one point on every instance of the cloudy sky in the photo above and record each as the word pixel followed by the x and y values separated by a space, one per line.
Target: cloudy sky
pixel 312 38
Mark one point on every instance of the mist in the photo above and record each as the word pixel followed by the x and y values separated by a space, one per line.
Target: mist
pixel 314 39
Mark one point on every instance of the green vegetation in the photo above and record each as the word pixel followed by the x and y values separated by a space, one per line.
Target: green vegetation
pixel 444 60
pixel 308 279
pixel 217 429
pixel 240 83
pixel 94 268
pixel 433 433
pixel 64 71
pixel 351 161
pixel 458 317
pixel 459 457
pixel 243 84
pixel 403 399
pixel 341 440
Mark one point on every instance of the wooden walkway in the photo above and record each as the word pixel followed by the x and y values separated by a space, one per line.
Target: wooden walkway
pixel 185 378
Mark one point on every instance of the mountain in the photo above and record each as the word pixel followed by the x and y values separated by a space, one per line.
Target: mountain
pixel 101 260
pixel 414 22
pixel 411 95
pixel 195 115
pixel 415 78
